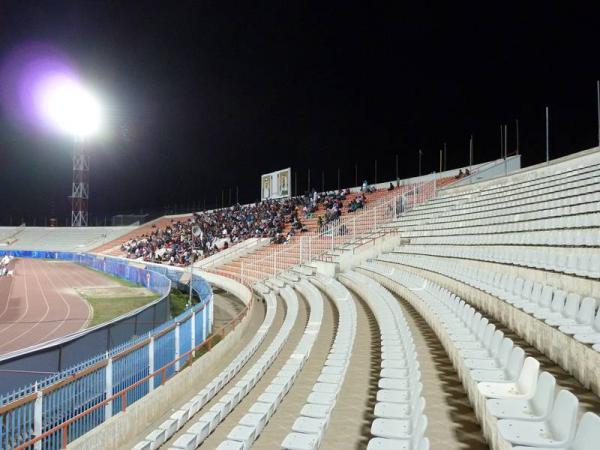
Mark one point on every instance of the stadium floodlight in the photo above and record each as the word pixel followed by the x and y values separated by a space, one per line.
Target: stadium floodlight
pixel 69 107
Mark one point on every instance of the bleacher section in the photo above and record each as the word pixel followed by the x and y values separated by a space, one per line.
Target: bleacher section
pixel 58 239
pixel 504 278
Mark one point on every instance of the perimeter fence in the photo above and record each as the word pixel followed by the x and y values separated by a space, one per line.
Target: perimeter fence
pixel 113 378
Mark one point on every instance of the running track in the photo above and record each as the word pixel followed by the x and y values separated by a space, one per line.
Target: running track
pixel 39 303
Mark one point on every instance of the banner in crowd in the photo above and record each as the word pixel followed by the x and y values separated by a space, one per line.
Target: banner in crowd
pixel 276 184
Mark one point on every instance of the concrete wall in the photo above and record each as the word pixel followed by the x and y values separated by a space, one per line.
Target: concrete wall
pixel 492 170
pixel 371 249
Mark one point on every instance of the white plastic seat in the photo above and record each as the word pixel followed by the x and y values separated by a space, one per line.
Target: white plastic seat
pixel 393 396
pixel 555 431
pixel 300 441
pixel 557 306
pixel 399 428
pixel 497 361
pixel 243 433
pixel 510 373
pixel 593 327
pixel 587 435
pixel 524 387
pixel 536 408
pixel 231 445
pixel 584 315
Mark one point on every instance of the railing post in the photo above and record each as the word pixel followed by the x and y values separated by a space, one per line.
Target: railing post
pixel 177 337
pixel 37 417
pixel 375 220
pixel 332 227
pixel 193 333
pixel 108 374
pixel 151 363
pixel 300 252
pixel 65 437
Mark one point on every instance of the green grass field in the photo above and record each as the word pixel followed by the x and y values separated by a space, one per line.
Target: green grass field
pixel 111 302
pixel 106 309
pixel 178 301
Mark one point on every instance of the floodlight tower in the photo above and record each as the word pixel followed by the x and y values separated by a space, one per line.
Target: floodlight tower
pixel 73 110
pixel 81 188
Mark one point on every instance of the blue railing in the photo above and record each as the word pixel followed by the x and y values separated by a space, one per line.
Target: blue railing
pixel 41 406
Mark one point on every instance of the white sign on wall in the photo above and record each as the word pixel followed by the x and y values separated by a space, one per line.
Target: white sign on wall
pixel 276 184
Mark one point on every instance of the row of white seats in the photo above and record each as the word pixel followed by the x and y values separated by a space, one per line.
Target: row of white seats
pixel 567 311
pixel 471 205
pixel 309 428
pixel 168 428
pixel 579 183
pixel 555 223
pixel 473 201
pixel 582 263
pixel 586 237
pixel 209 421
pixel 251 424
pixel 575 168
pixel 530 413
pixel 400 421
pixel 474 205
pixel 542 209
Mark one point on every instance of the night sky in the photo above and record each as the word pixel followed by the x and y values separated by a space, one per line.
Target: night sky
pixel 204 96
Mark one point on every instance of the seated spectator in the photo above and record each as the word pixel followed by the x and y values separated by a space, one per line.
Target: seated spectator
pixel 391 188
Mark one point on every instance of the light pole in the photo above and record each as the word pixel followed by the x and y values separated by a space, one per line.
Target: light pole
pixel 196 231
pixel 72 109
pixel 547 135
pixel 420 154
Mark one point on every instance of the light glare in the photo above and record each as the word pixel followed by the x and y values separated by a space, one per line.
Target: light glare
pixel 70 108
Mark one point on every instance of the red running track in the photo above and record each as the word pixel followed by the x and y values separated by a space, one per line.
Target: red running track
pixel 39 303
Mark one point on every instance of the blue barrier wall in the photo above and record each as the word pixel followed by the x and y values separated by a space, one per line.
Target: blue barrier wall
pixel 50 401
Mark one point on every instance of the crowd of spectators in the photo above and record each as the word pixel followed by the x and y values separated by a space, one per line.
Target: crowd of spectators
pixel 4 263
pixel 216 230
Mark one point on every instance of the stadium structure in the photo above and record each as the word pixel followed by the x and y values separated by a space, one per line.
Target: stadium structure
pixel 443 303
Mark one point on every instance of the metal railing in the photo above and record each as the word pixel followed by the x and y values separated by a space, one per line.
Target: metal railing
pixel 61 408
pixel 61 434
pixel 351 229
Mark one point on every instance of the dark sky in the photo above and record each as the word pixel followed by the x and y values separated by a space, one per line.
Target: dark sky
pixel 207 95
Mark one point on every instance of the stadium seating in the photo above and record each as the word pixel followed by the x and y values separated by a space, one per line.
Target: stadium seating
pixel 60 239
pixel 522 251
pixel 200 430
pixel 251 425
pixel 399 419
pixel 309 428
pixel 551 422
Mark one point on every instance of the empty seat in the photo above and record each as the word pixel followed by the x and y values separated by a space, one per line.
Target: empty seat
pixel 536 408
pixel 555 431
